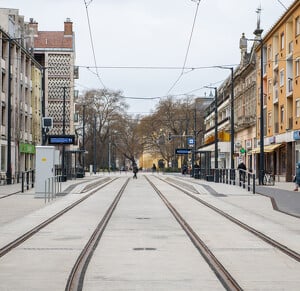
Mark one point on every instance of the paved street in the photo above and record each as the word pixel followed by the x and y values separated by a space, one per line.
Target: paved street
pixel 137 250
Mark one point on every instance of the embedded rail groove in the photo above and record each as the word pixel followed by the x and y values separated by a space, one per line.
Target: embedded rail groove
pixel 220 271
pixel 76 277
pixel 287 251
pixel 7 248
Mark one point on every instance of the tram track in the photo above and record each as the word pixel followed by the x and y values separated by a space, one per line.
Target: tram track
pixel 220 271
pixel 18 241
pixel 76 277
pixel 284 249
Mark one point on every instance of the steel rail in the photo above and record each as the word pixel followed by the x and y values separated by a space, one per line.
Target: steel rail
pixel 220 271
pixel 286 250
pixel 7 248
pixel 76 277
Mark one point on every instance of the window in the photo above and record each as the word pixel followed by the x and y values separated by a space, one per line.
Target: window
pixel 269 119
pixel 281 78
pixel 269 53
pixel 298 107
pixel 297 67
pixel 297 24
pixel 282 40
pixel 281 113
pixel 3 158
pixel 269 86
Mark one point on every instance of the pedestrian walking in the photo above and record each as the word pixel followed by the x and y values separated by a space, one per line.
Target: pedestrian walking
pixel 242 171
pixel 135 170
pixel 297 177
pixel 153 168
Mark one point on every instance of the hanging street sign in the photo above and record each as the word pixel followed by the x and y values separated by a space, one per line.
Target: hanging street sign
pixel 183 151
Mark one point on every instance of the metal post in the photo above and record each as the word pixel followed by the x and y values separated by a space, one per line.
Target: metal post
pixel 232 130
pixel 8 160
pixel 83 140
pixel 64 132
pixel 22 188
pixel 43 106
pixel 109 153
pixel 261 155
pixel 216 136
pixel 194 145
pixel 94 166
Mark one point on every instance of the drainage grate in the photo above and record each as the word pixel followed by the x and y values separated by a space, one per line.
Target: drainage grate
pixel 142 217
pixel 144 249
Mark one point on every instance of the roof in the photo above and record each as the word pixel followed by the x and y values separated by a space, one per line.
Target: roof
pixel 53 39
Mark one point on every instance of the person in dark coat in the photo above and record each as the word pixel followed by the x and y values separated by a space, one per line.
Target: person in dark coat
pixel 242 169
pixel 297 177
pixel 135 170
pixel 153 168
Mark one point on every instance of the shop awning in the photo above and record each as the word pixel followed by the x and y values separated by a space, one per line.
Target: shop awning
pixel 267 149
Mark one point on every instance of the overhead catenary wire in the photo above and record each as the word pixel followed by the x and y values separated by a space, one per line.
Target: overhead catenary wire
pixel 282 4
pixel 87 3
pixel 188 49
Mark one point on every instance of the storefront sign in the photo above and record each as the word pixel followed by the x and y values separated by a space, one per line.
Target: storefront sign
pixel 27 148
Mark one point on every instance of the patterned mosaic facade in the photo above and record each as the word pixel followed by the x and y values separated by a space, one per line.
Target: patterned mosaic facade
pixel 60 91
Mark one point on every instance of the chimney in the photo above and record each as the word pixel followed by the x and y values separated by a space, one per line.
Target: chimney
pixel 33 27
pixel 68 27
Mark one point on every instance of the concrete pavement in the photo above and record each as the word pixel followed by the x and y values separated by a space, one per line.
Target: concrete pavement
pixel 283 197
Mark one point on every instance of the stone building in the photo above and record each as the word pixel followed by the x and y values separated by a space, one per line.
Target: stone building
pixel 55 51
pixel 20 114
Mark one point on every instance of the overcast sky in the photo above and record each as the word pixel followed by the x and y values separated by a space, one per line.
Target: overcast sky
pixel 153 33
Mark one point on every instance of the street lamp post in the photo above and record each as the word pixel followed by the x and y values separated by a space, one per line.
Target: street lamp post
pixel 83 139
pixel 216 134
pixel 64 176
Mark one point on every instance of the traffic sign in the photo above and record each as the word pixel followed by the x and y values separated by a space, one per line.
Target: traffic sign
pixel 190 141
pixel 183 151
pixel 61 139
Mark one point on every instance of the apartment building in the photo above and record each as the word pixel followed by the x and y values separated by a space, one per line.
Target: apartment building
pixel 222 122
pixel 55 51
pixel 245 108
pixel 21 80
pixel 281 94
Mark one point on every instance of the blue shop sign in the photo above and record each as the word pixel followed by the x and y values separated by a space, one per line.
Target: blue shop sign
pixel 297 135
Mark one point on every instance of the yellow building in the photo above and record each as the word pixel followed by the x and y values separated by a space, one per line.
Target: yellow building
pixel 281 94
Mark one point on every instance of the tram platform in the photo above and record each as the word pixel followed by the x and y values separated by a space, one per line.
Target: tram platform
pixel 283 197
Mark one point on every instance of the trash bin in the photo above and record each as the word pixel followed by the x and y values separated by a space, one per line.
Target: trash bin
pixel 209 178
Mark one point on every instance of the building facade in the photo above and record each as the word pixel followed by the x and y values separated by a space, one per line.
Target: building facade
pixel 21 80
pixel 55 51
pixel 281 94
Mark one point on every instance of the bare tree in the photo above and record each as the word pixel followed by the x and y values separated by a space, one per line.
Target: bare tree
pixel 102 110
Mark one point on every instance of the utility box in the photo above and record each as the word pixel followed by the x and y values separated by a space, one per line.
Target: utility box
pixel 45 157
